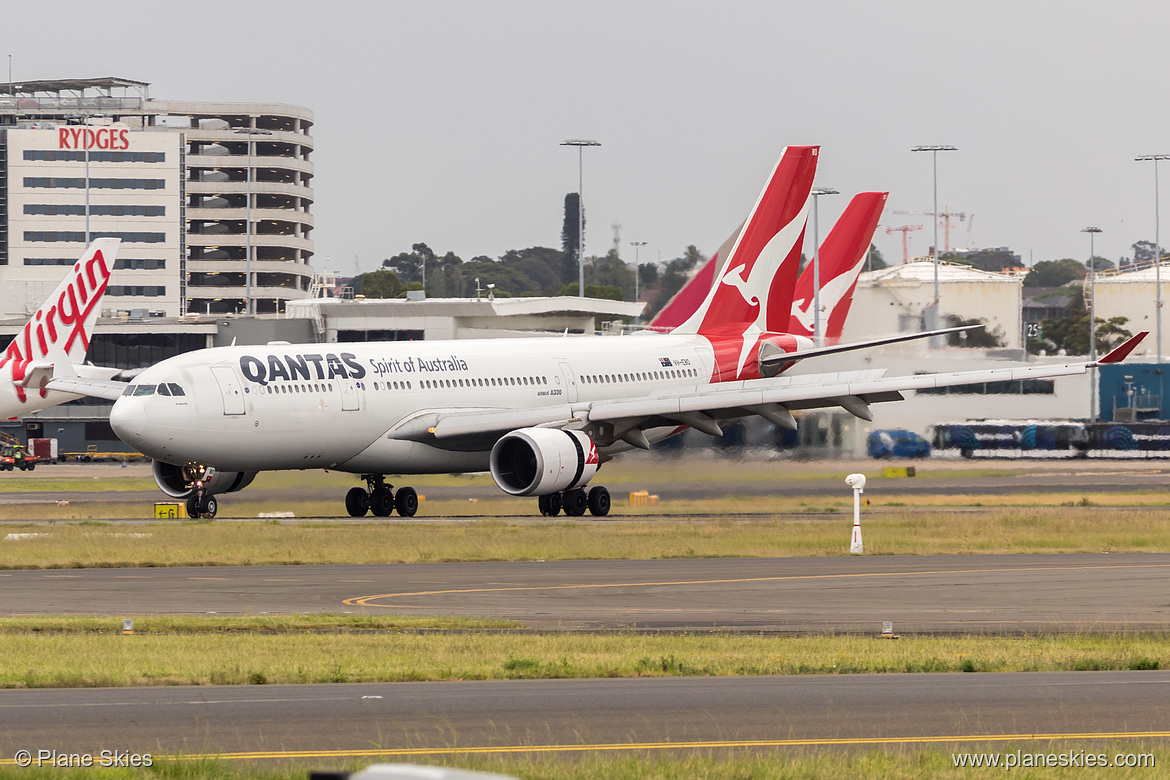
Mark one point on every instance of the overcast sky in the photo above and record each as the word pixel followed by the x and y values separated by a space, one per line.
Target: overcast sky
pixel 441 121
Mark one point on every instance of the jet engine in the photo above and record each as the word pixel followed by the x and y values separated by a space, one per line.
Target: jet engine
pixel 539 461
pixel 178 481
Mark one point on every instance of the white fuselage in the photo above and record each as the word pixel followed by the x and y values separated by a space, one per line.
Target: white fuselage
pixel 360 407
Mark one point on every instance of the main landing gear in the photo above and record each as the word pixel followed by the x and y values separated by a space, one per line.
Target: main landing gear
pixel 380 499
pixel 576 502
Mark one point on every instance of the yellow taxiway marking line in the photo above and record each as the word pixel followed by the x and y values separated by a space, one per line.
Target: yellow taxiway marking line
pixel 364 601
pixel 694 745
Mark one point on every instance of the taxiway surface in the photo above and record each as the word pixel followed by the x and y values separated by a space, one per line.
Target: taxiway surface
pixel 953 594
pixel 454 718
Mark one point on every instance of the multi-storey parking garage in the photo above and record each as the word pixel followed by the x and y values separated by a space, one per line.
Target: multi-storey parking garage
pixel 227 231
pixel 248 204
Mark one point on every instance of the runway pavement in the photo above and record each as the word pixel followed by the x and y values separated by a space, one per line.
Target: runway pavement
pixel 454 718
pixel 936 594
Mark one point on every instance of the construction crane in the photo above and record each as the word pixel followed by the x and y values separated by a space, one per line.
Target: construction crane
pixel 946 215
pixel 904 230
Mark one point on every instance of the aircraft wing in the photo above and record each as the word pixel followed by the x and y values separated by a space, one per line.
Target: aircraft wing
pixel 92 387
pixel 701 406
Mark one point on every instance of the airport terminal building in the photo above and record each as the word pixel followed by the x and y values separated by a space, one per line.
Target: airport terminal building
pixel 212 201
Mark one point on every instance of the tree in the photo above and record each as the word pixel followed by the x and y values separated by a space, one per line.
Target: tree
pixel 874 261
pixel 1099 264
pixel 610 271
pixel 411 266
pixel 595 291
pixel 673 278
pixel 1071 332
pixel 972 338
pixel 647 275
pixel 996 260
pixel 378 284
pixel 1054 273
pixel 1144 253
pixel 570 236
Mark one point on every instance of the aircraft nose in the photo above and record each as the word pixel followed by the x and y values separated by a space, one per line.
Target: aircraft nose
pixel 128 419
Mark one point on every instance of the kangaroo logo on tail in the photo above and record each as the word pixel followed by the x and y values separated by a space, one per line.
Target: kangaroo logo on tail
pixel 66 319
pixel 842 258
pixel 760 273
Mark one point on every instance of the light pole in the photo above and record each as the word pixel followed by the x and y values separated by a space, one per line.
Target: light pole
pixel 1157 256
pixel 249 304
pixel 1092 231
pixel 817 192
pixel 637 245
pixel 85 142
pixel 934 150
pixel 580 143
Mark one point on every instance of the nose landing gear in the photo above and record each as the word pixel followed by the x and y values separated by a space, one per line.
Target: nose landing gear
pixel 576 502
pixel 201 505
pixel 380 498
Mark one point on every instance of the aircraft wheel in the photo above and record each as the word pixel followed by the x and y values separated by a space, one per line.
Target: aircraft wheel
pixel 382 502
pixel 193 507
pixel 208 507
pixel 575 502
pixel 357 502
pixel 550 505
pixel 599 501
pixel 406 501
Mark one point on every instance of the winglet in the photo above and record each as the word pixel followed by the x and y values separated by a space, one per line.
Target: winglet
pixel 1122 352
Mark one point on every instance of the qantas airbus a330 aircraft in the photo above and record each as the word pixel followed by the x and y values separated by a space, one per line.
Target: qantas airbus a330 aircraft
pixel 59 330
pixel 541 414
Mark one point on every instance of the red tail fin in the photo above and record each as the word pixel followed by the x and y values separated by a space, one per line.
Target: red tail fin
pixel 760 272
pixel 842 257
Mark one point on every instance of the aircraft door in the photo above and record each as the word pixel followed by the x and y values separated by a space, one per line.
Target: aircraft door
pixel 350 402
pixel 570 383
pixel 229 389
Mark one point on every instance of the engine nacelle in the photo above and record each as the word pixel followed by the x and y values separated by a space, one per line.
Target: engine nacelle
pixel 539 461
pixel 176 481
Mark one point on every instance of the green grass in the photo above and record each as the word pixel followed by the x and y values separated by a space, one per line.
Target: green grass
pixel 71 653
pixel 862 763
pixel 894 531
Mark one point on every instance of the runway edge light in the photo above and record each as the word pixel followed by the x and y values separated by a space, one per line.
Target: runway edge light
pixel 857 482
pixel 128 626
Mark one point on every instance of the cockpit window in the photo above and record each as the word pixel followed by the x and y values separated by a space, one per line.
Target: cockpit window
pixel 175 389
pixel 164 390
pixel 129 391
pixel 140 390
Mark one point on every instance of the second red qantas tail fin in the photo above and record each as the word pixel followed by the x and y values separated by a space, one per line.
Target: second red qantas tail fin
pixel 842 257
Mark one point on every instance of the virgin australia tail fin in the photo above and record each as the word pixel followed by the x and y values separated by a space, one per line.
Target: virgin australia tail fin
pixel 64 323
pixel 761 269
pixel 842 257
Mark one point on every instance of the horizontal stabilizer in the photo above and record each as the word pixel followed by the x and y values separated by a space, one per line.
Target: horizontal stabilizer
pixel 1120 353
pixel 777 360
